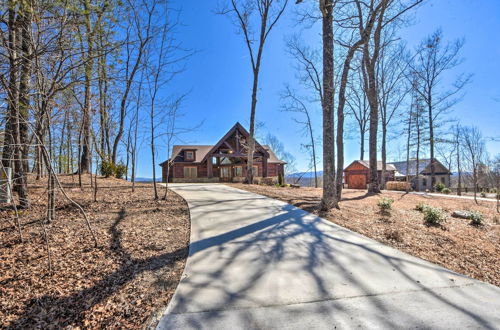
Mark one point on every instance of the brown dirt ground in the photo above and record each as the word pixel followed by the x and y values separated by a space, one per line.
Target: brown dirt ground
pixel 123 283
pixel 457 245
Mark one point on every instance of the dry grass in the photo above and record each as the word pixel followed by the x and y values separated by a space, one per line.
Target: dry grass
pixel 121 284
pixel 457 245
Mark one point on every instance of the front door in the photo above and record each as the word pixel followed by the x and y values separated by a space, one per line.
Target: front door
pixel 225 174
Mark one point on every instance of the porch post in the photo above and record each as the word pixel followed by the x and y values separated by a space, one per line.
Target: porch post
pixel 209 167
pixel 264 167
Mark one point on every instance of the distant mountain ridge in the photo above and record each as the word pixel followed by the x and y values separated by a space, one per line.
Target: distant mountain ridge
pixel 143 179
pixel 304 175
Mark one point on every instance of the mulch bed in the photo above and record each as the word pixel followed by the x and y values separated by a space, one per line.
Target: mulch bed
pixel 123 283
pixel 456 245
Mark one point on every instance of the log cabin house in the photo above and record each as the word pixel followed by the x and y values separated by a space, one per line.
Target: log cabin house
pixel 225 161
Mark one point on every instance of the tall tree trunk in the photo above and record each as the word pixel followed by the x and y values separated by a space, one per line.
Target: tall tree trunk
pixel 313 146
pixel 251 142
pixel 384 156
pixel 61 144
pixel 362 145
pixel 459 169
pixel 329 199
pixel 431 139
pixel 25 17
pixel 340 117
pixel 373 185
pixel 417 166
pixel 408 139
pixel 87 104
pixel 13 91
pixel 153 150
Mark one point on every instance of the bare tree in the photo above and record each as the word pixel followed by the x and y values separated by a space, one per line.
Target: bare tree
pixel 268 13
pixel 384 13
pixel 138 34
pixel 329 199
pixel 474 148
pixel 393 88
pixel 293 103
pixel 358 108
pixel 433 59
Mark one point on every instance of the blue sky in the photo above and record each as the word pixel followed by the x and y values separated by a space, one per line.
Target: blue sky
pixel 219 78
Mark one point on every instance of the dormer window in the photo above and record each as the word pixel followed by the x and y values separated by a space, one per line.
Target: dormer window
pixel 189 155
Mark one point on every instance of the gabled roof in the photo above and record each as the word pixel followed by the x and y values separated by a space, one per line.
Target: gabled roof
pixel 388 166
pixel 202 151
pixel 242 130
pixel 366 163
pixel 423 166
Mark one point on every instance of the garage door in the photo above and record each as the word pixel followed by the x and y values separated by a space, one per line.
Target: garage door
pixel 357 181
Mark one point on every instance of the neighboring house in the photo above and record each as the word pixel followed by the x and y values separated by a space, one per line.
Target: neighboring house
pixel 225 161
pixel 356 175
pixel 442 173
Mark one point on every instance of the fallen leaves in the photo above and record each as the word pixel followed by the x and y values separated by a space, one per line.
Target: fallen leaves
pixel 141 242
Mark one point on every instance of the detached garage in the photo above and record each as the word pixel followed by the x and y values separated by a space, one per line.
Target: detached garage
pixel 357 173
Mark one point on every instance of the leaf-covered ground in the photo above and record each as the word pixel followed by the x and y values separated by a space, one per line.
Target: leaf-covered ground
pixel 457 245
pixel 123 283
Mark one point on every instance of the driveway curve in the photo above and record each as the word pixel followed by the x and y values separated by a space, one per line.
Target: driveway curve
pixel 259 263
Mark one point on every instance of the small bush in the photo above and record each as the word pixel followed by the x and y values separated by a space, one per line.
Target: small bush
pixel 439 186
pixel 120 171
pixel 483 194
pixel 385 203
pixel 394 235
pixel 476 218
pixel 446 191
pixel 434 216
pixel 108 169
pixel 421 207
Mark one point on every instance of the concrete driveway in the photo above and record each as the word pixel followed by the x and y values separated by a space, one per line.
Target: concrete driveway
pixel 258 263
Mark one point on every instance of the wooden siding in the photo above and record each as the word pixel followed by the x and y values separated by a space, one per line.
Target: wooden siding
pixel 355 172
pixel 177 170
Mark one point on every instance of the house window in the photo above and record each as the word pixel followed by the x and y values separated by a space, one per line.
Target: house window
pixel 424 182
pixel 189 155
pixel 190 172
pixel 442 180
pixel 255 170
pixel 238 171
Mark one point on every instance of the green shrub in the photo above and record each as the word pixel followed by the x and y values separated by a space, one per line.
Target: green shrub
pixel 446 191
pixel 476 218
pixel 120 171
pixel 385 203
pixel 439 186
pixel 483 194
pixel 421 207
pixel 434 216
pixel 108 169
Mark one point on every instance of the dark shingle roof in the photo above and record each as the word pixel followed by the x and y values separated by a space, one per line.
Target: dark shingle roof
pixel 202 150
pixel 388 166
pixel 412 168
